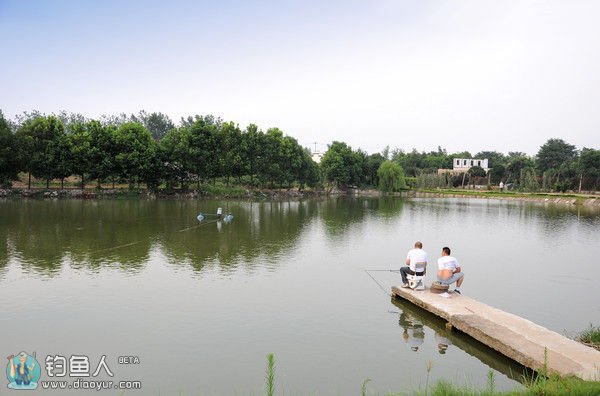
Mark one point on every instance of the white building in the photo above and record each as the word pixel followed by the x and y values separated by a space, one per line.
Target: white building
pixel 462 165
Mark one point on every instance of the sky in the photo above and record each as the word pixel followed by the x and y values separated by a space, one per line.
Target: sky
pixel 463 75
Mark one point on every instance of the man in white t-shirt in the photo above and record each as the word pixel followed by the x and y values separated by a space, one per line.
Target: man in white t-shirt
pixel 449 270
pixel 415 256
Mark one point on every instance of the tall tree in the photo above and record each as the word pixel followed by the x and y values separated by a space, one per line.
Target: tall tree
pixel 252 141
pixel 270 164
pixel 40 140
pixel 175 153
pixel 157 123
pixel 517 161
pixel 104 152
pixel 205 150
pixel 291 158
pixel 9 160
pixel 554 153
pixel 494 158
pixel 135 149
pixel 589 165
pixel 234 160
pixel 309 174
pixel 64 159
pixel 340 165
pixel 373 163
pixel 81 150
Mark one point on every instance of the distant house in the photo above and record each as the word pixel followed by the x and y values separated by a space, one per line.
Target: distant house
pixel 317 156
pixel 462 165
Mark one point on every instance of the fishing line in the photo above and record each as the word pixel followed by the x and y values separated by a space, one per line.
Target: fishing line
pixel 115 247
pixel 378 284
pixel 199 225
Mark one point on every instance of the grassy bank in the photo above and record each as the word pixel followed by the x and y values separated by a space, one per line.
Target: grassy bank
pixel 590 337
pixel 208 190
pixel 507 194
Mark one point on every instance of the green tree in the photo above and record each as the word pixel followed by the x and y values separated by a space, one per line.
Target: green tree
pixel 135 149
pixel 64 159
pixel 373 163
pixel 81 150
pixel 528 180
pixel 517 161
pixel 104 152
pixel 9 159
pixel 589 166
pixel 175 153
pixel 554 153
pixel 497 173
pixel 391 177
pixel 157 123
pixel 340 165
pixel 310 173
pixel 477 171
pixel 494 158
pixel 233 164
pixel 40 142
pixel 252 140
pixel 270 166
pixel 291 157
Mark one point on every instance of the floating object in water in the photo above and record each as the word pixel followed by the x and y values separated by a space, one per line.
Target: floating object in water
pixel 227 218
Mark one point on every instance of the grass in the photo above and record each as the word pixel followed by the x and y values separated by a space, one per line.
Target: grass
pixel 270 374
pixel 517 194
pixel 590 337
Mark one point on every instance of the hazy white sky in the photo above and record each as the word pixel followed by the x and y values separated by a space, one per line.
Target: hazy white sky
pixel 464 75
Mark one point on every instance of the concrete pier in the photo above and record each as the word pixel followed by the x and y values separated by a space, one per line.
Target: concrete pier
pixel 515 337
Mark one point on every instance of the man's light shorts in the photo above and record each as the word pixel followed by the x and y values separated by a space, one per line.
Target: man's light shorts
pixel 452 279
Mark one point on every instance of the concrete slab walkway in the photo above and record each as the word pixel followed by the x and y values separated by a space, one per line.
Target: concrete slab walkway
pixel 511 335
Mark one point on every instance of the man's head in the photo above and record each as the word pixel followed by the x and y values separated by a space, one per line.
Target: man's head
pixel 418 245
pixel 445 251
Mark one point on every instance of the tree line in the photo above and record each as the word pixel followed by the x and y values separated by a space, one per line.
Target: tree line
pixel 149 148
pixel 557 166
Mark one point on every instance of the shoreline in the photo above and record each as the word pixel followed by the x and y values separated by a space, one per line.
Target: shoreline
pixel 568 199
pixel 585 200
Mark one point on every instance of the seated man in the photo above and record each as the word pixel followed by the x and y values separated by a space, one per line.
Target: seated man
pixel 415 256
pixel 449 270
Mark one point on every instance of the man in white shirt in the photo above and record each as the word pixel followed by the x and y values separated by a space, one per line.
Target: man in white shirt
pixel 415 256
pixel 449 270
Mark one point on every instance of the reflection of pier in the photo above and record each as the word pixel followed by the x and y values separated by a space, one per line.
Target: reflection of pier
pixel 517 338
pixel 445 337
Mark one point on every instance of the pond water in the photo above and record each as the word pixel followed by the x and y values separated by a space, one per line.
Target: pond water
pixel 202 304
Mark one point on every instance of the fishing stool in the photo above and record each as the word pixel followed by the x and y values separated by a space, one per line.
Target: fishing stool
pixel 415 282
